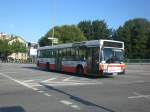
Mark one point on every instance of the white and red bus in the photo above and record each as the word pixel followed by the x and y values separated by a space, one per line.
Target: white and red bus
pixel 95 57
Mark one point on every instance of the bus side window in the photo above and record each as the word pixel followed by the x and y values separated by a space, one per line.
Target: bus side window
pixel 73 53
pixel 82 53
pixel 60 53
pixel 54 53
pixel 63 53
pixel 50 53
pixel 77 53
pixel 38 53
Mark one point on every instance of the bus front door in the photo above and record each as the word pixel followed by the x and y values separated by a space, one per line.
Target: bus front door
pixel 58 60
pixel 93 60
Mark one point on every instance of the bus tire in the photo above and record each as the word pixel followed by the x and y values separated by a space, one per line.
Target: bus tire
pixel 79 70
pixel 47 67
pixel 124 72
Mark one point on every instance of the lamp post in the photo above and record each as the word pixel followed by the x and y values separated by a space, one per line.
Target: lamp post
pixel 54 40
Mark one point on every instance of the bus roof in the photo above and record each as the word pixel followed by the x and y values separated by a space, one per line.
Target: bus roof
pixel 75 44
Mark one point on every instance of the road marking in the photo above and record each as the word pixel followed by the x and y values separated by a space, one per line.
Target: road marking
pixel 78 81
pixel 10 72
pixel 3 70
pixel 47 94
pixel 49 80
pixel 35 89
pixel 28 81
pixel 67 79
pixel 68 103
pixel 139 81
pixel 71 84
pixel 35 84
pixel 76 107
pixel 138 95
pixel 17 81
pixel 74 82
pixel 40 91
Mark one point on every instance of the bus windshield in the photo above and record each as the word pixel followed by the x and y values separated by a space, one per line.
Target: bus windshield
pixel 112 55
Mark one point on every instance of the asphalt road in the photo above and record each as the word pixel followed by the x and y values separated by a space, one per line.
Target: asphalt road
pixel 24 88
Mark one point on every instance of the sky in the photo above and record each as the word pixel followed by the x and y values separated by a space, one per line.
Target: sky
pixel 31 19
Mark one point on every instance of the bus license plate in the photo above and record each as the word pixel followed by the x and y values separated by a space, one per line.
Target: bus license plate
pixel 114 69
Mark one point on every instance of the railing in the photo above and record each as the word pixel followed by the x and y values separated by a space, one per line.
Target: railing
pixel 137 61
pixel 30 61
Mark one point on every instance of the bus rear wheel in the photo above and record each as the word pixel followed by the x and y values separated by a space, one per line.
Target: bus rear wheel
pixel 79 70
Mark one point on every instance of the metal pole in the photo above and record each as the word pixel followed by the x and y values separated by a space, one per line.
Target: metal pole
pixel 53 35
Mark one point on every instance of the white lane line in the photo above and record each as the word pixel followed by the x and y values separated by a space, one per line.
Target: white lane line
pixel 76 107
pixel 28 81
pixel 138 95
pixel 71 84
pixel 77 81
pixel 17 81
pixel 40 91
pixel 10 72
pixel 67 79
pixel 35 89
pixel 66 102
pixel 4 70
pixel 49 79
pixel 47 94
pixel 139 81
pixel 34 84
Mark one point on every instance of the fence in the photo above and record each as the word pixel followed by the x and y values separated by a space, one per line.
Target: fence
pixel 137 61
pixel 29 60
pixel 33 60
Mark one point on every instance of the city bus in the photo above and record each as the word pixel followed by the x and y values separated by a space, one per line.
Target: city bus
pixel 94 57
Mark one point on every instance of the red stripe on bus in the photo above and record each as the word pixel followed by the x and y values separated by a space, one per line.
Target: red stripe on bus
pixel 52 67
pixel 85 70
pixel 118 65
pixel 68 69
pixel 42 65
pixel 123 67
pixel 101 66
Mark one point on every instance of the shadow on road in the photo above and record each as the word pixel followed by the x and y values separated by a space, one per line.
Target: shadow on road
pixel 78 99
pixel 12 109
pixel 70 74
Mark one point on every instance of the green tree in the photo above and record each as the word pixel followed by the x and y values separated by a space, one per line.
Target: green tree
pixel 95 29
pixel 44 41
pixel 5 48
pixel 136 35
pixel 17 47
pixel 65 34
pixel 86 28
